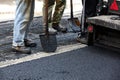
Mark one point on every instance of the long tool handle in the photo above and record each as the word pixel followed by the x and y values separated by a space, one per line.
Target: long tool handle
pixel 71 6
pixel 46 17
pixel 83 16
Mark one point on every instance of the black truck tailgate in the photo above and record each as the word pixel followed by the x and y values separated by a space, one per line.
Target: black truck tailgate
pixel 106 30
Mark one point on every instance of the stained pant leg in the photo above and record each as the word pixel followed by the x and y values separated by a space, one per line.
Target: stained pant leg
pixel 24 14
pixel 58 12
pixel 59 9
pixel 50 9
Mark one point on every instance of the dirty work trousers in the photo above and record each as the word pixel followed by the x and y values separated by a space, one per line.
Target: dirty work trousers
pixel 23 17
pixel 58 12
pixel 90 9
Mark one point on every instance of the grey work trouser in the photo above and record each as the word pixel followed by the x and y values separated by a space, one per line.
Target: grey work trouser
pixel 23 17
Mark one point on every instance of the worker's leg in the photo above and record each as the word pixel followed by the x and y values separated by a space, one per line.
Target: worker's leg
pixel 57 15
pixel 50 9
pixel 59 9
pixel 24 14
pixel 90 11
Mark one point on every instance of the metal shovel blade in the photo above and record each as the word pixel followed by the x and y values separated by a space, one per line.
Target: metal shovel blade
pixel 74 24
pixel 48 42
pixel 75 20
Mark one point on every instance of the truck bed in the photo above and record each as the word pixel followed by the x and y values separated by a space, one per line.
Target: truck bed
pixel 106 21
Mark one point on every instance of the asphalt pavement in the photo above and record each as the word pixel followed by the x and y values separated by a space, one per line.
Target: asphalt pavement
pixel 82 63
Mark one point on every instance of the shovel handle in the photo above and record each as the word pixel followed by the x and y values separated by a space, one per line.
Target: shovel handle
pixel 71 6
pixel 46 17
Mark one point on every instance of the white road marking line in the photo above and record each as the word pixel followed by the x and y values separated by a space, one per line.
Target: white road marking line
pixel 60 50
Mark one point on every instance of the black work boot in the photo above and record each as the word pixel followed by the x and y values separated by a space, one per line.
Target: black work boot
pixel 29 43
pixel 21 49
pixel 59 28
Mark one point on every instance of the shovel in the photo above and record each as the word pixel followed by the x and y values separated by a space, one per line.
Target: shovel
pixel 74 21
pixel 83 18
pixel 48 39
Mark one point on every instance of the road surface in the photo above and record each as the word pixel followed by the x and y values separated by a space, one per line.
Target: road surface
pixel 73 63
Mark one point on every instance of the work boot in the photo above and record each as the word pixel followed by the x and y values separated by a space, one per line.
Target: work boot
pixel 82 38
pixel 59 28
pixel 52 30
pixel 29 43
pixel 21 49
